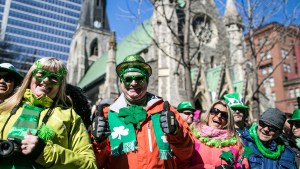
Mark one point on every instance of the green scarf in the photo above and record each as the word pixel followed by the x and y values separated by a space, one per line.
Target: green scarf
pixel 262 149
pixel 134 114
pixel 123 137
pixel 28 120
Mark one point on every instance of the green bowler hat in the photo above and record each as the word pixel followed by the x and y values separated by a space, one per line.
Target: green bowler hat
pixel 186 105
pixel 234 100
pixel 295 116
pixel 134 61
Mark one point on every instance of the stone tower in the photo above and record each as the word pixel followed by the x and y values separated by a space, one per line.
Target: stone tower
pixel 90 39
pixel 234 25
pixel 110 89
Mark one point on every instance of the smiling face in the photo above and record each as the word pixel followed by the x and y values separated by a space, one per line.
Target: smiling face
pixel 134 86
pixel 42 85
pixel 267 132
pixel 6 85
pixel 187 116
pixel 217 117
pixel 296 128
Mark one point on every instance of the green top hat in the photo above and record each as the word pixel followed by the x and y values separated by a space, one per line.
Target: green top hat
pixel 7 67
pixel 295 116
pixel 234 100
pixel 186 105
pixel 133 63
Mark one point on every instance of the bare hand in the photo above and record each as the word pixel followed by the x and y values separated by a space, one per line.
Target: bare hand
pixel 29 143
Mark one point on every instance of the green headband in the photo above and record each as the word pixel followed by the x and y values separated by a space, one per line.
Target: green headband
pixel 133 69
pixel 61 72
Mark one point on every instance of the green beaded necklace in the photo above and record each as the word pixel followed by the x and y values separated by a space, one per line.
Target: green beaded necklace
pixel 262 149
pixel 213 142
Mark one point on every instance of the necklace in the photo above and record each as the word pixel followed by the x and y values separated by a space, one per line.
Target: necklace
pixel 214 142
pixel 262 149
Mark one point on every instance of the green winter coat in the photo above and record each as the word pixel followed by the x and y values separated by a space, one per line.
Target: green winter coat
pixel 69 149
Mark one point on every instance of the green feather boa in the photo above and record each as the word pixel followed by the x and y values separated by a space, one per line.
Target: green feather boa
pixel 261 148
pixel 213 142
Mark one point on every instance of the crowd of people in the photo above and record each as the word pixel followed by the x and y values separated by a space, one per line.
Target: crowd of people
pixel 47 123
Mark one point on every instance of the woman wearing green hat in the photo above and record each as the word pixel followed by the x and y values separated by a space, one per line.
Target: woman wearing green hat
pixel 294 142
pixel 10 79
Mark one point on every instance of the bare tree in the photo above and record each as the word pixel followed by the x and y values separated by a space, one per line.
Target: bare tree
pixel 256 14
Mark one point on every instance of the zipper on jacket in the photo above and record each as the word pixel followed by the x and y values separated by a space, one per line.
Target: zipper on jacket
pixel 149 138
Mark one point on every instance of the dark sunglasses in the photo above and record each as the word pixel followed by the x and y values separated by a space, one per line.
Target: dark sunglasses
pixel 270 127
pixel 188 113
pixel 139 79
pixel 296 124
pixel 7 78
pixel 241 110
pixel 215 112
pixel 41 74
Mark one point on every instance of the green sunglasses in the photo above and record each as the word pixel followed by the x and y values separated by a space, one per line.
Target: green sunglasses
pixel 139 79
pixel 41 74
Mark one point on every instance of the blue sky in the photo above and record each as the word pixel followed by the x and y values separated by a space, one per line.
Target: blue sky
pixel 125 15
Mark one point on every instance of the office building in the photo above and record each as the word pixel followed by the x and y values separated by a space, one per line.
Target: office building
pixel 35 29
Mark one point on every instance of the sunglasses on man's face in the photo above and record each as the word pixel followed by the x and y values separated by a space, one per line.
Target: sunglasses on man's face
pixel 7 78
pixel 215 112
pixel 41 74
pixel 296 124
pixel 139 79
pixel 270 127
pixel 240 110
pixel 188 113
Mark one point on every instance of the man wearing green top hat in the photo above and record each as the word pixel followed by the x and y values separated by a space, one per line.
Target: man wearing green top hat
pixel 186 111
pixel 294 141
pixel 240 111
pixel 142 130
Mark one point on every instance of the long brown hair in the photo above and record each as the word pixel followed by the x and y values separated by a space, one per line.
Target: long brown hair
pixel 48 63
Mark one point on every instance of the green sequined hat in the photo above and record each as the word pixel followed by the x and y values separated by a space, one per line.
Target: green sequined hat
pixel 234 100
pixel 295 116
pixel 7 67
pixel 132 63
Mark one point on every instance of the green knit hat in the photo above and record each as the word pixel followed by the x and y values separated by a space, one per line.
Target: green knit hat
pixel 186 105
pixel 295 116
pixel 134 63
pixel 234 100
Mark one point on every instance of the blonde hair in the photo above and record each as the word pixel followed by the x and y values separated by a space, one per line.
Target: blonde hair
pixel 230 122
pixel 47 63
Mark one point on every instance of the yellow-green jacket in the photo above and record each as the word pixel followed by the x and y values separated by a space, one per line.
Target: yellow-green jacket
pixel 69 149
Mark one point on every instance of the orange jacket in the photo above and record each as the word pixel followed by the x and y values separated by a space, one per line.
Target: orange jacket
pixel 147 156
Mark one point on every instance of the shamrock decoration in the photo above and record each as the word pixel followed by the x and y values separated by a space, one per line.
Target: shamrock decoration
pixel 227 156
pixel 134 114
pixel 118 131
pixel 247 151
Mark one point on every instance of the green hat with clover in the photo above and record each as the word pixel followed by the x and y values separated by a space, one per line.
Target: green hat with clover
pixel 186 105
pixel 7 67
pixel 235 100
pixel 134 63
pixel 295 116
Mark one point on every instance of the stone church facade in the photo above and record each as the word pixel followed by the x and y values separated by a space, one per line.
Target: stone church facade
pixel 216 48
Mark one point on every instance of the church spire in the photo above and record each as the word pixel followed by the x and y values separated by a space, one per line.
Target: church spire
pixel 93 14
pixel 231 15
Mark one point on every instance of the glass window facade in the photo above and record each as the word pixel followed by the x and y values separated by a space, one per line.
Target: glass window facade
pixel 36 29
